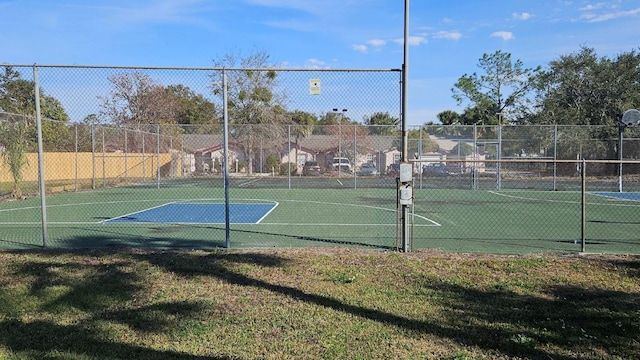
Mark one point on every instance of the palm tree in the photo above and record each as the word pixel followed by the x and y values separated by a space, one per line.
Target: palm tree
pixel 303 124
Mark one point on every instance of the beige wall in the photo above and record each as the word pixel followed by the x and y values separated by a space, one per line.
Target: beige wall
pixel 63 166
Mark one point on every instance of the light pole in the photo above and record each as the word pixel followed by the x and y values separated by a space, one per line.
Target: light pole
pixel 405 138
pixel 339 116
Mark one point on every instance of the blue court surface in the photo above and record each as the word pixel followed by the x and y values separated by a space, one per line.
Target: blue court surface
pixel 632 196
pixel 200 213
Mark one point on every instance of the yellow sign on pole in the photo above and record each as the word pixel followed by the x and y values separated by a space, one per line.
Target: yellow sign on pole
pixel 314 86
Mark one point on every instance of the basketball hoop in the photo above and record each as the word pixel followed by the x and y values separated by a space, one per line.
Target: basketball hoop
pixel 631 118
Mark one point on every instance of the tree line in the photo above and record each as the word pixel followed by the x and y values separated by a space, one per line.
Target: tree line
pixel 579 88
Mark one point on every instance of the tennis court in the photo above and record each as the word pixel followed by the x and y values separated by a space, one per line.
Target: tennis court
pixel 177 215
pixel 199 213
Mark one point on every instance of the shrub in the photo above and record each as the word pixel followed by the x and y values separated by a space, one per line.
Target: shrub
pixel 292 168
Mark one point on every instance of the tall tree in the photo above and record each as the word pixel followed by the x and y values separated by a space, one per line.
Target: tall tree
pixel 328 121
pixel 17 129
pixel 7 78
pixel 382 123
pixel 194 109
pixel 13 130
pixel 501 88
pixel 582 89
pixel 448 117
pixel 136 99
pixel 302 124
pixel 257 112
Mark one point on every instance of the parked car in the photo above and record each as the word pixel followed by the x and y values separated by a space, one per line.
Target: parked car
pixel 393 170
pixel 311 168
pixel 368 169
pixel 341 164
pixel 435 169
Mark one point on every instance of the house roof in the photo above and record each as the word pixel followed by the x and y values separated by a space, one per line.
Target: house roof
pixel 200 142
pixel 317 143
pixel 323 143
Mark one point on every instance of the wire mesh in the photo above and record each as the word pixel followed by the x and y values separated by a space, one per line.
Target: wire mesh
pixel 134 157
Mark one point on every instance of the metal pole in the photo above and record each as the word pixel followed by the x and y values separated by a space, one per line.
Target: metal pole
pixel 499 164
pixel 76 155
pixel 289 157
pixel 355 156
pixel 555 156
pixel 405 148
pixel 225 137
pixel 126 157
pixel 338 116
pixel 405 70
pixel 174 171
pixel 144 167
pixel 620 131
pixel 474 173
pixel 182 166
pixel 158 155
pixel 420 155
pixel 93 157
pixel 104 163
pixel 583 203
pixel 41 186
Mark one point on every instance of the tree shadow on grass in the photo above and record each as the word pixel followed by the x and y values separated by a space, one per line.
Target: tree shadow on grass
pixel 306 238
pixel 565 321
pixel 105 292
pixel 570 318
pixel 46 340
pixel 153 237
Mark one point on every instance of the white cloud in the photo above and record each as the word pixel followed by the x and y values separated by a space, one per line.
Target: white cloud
pixel 522 16
pixel 591 7
pixel 315 64
pixel 447 35
pixel 377 42
pixel 590 17
pixel 360 48
pixel 505 35
pixel 413 40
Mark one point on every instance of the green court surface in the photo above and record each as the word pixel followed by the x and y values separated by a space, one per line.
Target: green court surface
pixel 507 222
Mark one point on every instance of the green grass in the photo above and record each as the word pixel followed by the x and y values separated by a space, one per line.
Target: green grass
pixel 321 303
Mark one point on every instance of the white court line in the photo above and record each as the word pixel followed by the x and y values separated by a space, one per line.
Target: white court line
pixel 268 212
pixel 562 201
pixel 136 212
pixel 196 224
pixel 48 223
pixel 249 182
pixel 79 204
pixel 335 224
pixel 432 222
pixel 362 206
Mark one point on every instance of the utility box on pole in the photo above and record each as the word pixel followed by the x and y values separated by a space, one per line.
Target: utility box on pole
pixel 405 207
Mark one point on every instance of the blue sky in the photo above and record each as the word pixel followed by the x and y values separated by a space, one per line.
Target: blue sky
pixel 446 37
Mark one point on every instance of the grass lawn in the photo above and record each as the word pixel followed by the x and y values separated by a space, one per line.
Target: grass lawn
pixel 324 303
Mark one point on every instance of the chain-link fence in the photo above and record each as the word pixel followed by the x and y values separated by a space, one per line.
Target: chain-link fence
pixel 136 157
